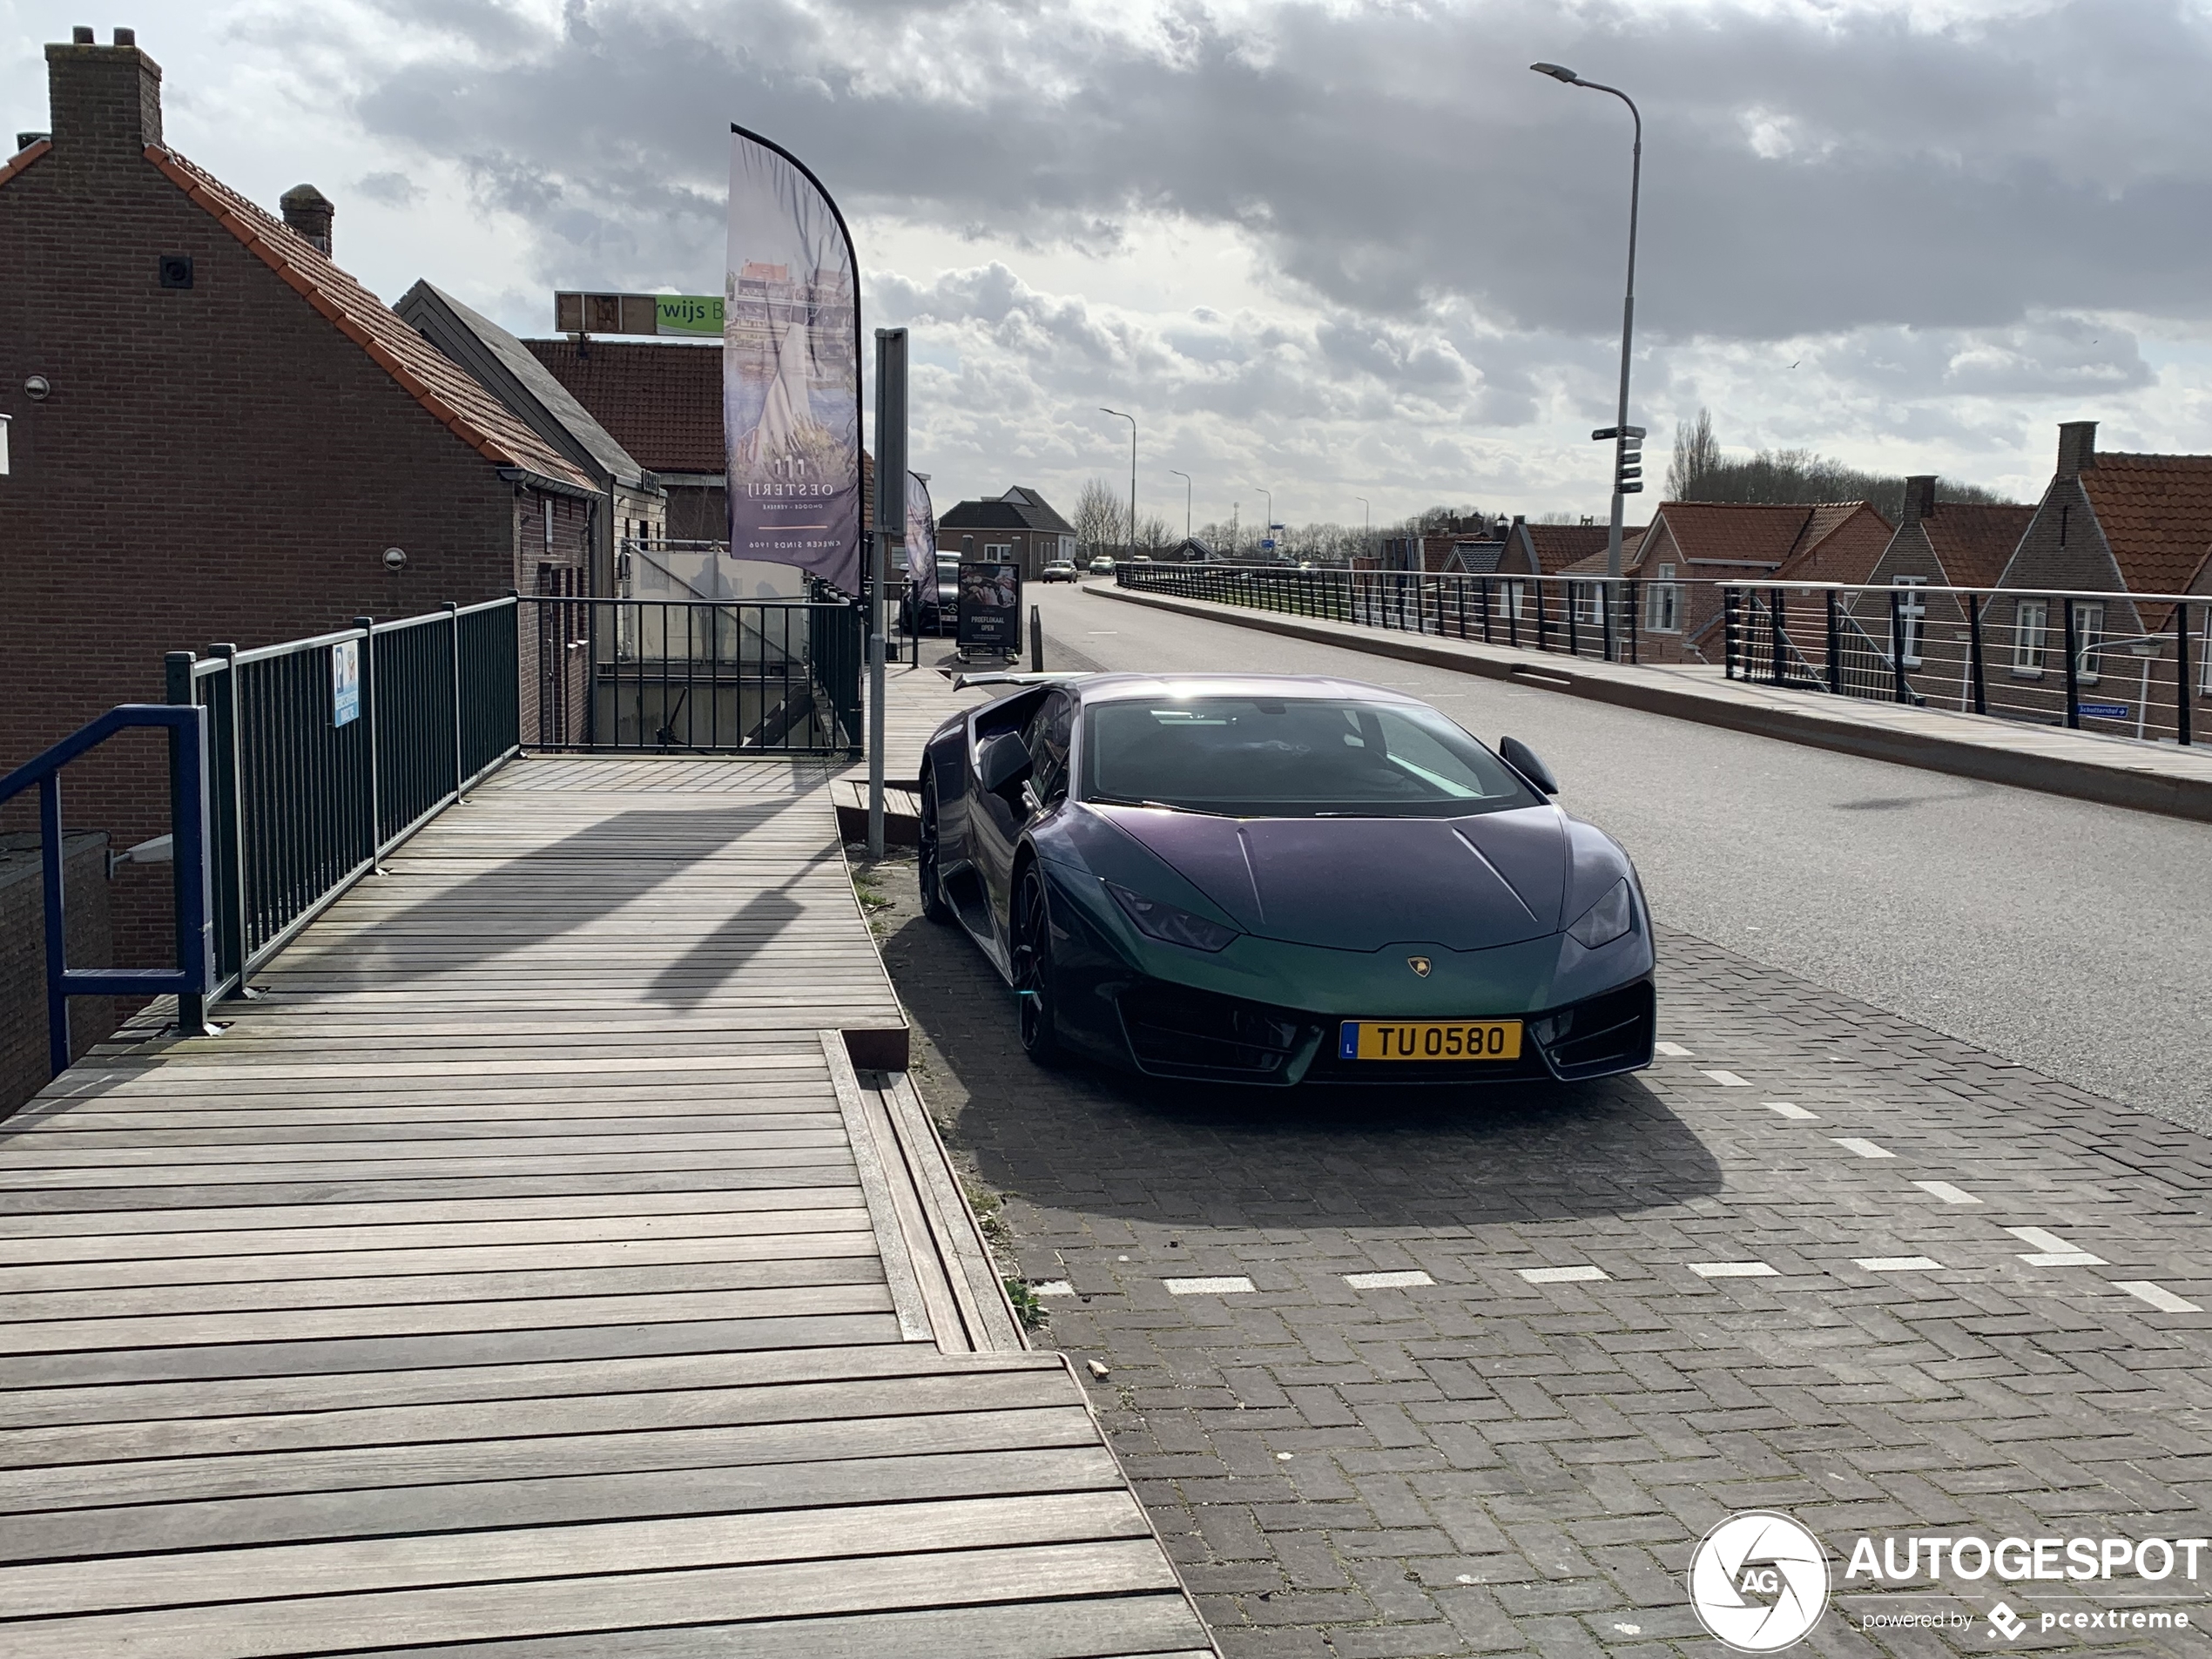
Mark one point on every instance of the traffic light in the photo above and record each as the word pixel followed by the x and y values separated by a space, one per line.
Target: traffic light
pixel 1627 457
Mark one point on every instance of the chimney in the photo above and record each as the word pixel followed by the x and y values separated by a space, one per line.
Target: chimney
pixel 1920 498
pixel 105 101
pixel 308 211
pixel 2077 448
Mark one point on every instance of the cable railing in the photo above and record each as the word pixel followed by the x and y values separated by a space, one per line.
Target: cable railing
pixel 2122 664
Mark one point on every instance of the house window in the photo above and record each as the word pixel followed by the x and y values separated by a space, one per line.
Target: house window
pixel 1514 592
pixel 1589 606
pixel 547 502
pixel 2031 626
pixel 1911 611
pixel 2204 661
pixel 1662 602
pixel 1003 550
pixel 2088 640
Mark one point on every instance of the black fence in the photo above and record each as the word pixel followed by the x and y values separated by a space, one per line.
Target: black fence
pixel 324 754
pixel 1566 614
pixel 2122 664
pixel 694 676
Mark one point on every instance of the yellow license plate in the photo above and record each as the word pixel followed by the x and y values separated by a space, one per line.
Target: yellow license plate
pixel 1430 1039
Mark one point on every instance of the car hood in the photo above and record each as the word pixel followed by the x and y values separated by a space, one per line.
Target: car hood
pixel 1363 883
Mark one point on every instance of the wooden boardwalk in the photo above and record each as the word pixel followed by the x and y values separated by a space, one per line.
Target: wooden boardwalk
pixel 532 1271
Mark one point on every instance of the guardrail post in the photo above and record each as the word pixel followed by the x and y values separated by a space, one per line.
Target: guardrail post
pixel 234 752
pixel 1728 633
pixel 1777 633
pixel 367 625
pixel 1612 601
pixel 1635 612
pixel 52 871
pixel 2073 674
pixel 2182 673
pixel 195 919
pixel 1835 648
pixel 1900 692
pixel 459 761
pixel 1973 653
pixel 1543 616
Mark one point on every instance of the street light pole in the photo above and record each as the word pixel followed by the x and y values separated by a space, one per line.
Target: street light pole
pixel 1366 522
pixel 1132 474
pixel 1185 476
pixel 1620 434
pixel 1268 535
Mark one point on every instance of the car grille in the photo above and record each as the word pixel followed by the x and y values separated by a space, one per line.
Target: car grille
pixel 1608 1033
pixel 1179 1033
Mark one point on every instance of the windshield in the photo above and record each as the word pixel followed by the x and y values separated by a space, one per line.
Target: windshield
pixel 1290 757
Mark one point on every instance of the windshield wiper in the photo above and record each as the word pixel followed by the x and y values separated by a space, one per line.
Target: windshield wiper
pixel 1158 806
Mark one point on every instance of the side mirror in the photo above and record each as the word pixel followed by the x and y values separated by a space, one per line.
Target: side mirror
pixel 1002 761
pixel 1524 760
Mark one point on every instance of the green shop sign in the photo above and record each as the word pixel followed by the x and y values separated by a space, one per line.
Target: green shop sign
pixel 688 313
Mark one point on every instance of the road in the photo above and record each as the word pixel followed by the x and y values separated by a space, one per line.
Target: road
pixel 2073 938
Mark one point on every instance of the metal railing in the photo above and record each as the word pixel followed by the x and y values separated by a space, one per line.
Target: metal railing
pixel 304 802
pixel 1564 615
pixel 759 677
pixel 2124 664
pixel 189 817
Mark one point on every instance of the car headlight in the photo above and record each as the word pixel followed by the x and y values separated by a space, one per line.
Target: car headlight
pixel 1607 919
pixel 1169 925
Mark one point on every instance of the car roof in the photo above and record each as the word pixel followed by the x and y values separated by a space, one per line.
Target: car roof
pixel 1115 688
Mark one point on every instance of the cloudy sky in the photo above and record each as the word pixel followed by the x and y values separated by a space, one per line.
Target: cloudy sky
pixel 1335 249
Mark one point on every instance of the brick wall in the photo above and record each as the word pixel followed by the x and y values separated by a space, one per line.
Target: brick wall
pixel 215 463
pixel 22 956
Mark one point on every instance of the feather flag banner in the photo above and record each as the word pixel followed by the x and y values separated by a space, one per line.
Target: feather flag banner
pixel 791 368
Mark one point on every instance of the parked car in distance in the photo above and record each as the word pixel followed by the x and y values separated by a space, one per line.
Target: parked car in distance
pixel 1142 558
pixel 932 607
pixel 1058 570
pixel 1102 565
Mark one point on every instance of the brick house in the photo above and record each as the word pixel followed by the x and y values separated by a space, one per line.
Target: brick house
pixel 662 402
pixel 216 433
pixel 1937 544
pixel 1019 527
pixel 2113 523
pixel 1691 546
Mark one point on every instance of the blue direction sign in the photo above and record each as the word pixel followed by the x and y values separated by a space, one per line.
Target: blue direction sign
pixel 2102 710
pixel 344 682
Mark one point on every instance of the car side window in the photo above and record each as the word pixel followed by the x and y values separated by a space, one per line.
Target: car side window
pixel 1050 732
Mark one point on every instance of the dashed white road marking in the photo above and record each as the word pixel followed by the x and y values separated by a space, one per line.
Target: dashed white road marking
pixel 2051 1250
pixel 1790 1109
pixel 1576 1275
pixel 1672 1051
pixel 1946 1191
pixel 1053 1287
pixel 1864 1147
pixel 1733 1270
pixel 1388 1281
pixel 2157 1295
pixel 1220 1284
pixel 1729 1079
pixel 1896 1263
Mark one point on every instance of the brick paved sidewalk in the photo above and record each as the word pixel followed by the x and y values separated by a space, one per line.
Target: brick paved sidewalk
pixel 1511 1440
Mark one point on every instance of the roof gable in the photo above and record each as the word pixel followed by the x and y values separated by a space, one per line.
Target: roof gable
pixel 2157 515
pixel 441 386
pixel 452 326
pixel 22 159
pixel 1974 542
pixel 662 402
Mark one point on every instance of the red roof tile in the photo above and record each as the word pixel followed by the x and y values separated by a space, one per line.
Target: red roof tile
pixel 1742 534
pixel 1974 542
pixel 23 157
pixel 1595 564
pixel 2157 515
pixel 1558 546
pixel 663 403
pixel 440 384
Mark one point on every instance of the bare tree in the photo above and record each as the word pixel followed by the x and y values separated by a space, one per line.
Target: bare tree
pixel 1099 516
pixel 1153 536
pixel 1697 454
pixel 1700 472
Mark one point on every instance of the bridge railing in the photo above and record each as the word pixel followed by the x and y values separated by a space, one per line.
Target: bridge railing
pixel 324 754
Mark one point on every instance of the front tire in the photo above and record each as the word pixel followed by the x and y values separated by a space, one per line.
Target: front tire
pixel 1033 974
pixel 934 904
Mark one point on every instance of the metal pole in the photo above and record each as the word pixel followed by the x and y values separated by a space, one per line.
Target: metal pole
pixel 1130 552
pixel 54 875
pixel 1036 641
pixel 367 625
pixel 1901 690
pixel 1835 648
pixel 1185 476
pixel 2181 733
pixel 890 525
pixel 453 615
pixel 1973 650
pixel 2073 672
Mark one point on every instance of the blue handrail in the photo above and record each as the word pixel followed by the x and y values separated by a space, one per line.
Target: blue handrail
pixel 195 970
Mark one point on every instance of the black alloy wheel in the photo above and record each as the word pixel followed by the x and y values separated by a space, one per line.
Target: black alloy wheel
pixel 1032 969
pixel 926 874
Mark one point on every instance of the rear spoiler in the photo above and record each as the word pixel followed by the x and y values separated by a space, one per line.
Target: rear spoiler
pixel 1054 677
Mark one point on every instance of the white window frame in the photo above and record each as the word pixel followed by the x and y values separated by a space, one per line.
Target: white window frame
pixel 546 501
pixel 1662 602
pixel 2030 638
pixel 2089 640
pixel 1002 552
pixel 2204 660
pixel 1590 604
pixel 1912 618
pixel 1515 591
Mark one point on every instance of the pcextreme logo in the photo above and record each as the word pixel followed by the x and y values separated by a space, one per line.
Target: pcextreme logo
pixel 1759 1581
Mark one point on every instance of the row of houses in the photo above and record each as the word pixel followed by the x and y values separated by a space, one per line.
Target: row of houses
pixel 2111 526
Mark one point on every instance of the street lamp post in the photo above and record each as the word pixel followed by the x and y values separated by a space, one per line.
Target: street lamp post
pixel 1623 433
pixel 1132 475
pixel 1185 476
pixel 1268 535
pixel 1366 523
